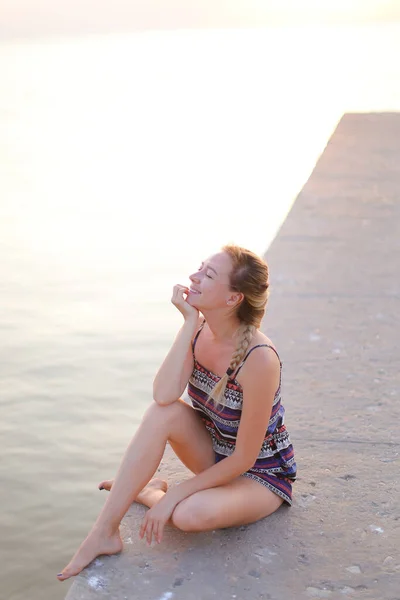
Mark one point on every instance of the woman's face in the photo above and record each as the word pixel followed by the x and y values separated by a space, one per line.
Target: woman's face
pixel 210 286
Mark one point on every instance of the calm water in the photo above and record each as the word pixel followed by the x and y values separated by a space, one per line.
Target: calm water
pixel 124 161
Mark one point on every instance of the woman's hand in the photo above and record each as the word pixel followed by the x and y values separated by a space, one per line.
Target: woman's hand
pixel 181 302
pixel 156 517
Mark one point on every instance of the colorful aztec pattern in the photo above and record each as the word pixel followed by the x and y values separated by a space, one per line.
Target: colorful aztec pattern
pixel 275 466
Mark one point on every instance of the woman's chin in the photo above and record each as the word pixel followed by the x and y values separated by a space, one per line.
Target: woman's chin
pixel 193 300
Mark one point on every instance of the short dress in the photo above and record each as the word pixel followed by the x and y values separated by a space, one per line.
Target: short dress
pixel 275 467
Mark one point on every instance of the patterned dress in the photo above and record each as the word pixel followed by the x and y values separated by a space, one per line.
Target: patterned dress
pixel 275 467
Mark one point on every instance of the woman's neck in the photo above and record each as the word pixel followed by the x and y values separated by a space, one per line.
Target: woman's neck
pixel 223 327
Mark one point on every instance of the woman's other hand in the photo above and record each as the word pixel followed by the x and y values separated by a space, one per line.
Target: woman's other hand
pixel 156 518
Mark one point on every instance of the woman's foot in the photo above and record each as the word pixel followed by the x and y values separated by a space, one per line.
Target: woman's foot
pixel 95 544
pixel 153 492
pixel 149 495
pixel 106 484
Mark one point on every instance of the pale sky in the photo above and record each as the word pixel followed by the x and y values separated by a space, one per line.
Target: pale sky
pixel 53 17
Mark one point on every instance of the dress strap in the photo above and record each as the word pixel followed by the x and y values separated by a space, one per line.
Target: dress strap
pixel 251 350
pixel 197 335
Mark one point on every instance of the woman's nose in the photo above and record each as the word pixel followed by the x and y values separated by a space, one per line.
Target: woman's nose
pixel 194 277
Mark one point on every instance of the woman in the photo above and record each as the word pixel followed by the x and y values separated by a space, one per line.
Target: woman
pixel 232 437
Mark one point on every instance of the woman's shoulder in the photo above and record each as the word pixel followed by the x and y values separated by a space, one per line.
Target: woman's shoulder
pixel 266 354
pixel 259 363
pixel 261 338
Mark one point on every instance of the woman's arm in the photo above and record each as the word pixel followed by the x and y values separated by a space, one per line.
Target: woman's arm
pixel 174 373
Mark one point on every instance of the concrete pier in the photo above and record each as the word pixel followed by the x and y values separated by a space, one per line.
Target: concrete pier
pixel 334 317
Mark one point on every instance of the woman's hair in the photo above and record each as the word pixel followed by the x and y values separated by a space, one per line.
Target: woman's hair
pixel 249 276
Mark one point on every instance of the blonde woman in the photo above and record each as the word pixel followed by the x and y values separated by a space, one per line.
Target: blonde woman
pixel 232 436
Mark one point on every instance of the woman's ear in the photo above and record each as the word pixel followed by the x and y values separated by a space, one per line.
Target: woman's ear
pixel 235 299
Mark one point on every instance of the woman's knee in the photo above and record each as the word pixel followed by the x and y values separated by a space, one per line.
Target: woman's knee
pixel 157 412
pixel 189 515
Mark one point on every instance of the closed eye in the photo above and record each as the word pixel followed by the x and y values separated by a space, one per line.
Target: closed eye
pixel 207 274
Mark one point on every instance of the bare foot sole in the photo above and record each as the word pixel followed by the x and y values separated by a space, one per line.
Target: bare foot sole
pixel 142 497
pixel 94 545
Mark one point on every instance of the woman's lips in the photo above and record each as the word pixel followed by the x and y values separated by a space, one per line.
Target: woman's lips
pixel 193 291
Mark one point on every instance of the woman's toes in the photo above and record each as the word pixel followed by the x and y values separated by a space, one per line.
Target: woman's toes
pixel 106 484
pixel 66 573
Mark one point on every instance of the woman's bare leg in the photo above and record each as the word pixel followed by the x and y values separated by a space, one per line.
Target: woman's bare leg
pixel 177 422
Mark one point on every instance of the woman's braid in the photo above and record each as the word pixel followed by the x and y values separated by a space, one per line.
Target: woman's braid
pixel 243 344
